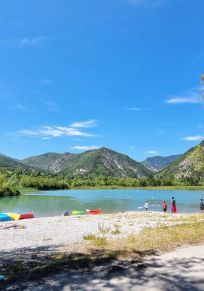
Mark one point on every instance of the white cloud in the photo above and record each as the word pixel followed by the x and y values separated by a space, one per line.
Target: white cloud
pixel 152 152
pixel 30 41
pixel 179 100
pixel 46 132
pixel 24 41
pixel 191 97
pixel 194 138
pixel 85 148
pixel 84 124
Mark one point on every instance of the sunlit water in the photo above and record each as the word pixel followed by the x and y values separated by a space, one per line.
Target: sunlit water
pixel 50 203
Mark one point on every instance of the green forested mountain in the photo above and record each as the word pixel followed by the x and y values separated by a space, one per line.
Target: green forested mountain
pixel 48 161
pixel 158 163
pixel 106 162
pixel 189 166
pixel 9 163
pixel 100 162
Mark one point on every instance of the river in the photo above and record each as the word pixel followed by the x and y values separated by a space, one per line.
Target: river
pixel 51 203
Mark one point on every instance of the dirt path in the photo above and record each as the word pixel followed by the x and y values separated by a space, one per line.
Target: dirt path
pixel 182 269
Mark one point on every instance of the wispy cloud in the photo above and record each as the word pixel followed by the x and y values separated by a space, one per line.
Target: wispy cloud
pixel 47 132
pixel 21 107
pixel 148 3
pixel 192 97
pixel 31 41
pixel 179 100
pixel 194 138
pixel 24 41
pixel 85 148
pixel 85 124
pixel 152 152
pixel 51 106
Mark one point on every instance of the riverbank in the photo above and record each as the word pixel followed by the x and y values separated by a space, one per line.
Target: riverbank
pixel 67 231
pixel 41 247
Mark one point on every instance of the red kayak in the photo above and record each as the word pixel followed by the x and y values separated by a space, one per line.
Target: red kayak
pixel 26 216
pixel 94 211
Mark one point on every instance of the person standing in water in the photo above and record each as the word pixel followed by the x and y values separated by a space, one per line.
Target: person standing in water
pixel 146 205
pixel 164 206
pixel 201 205
pixel 173 205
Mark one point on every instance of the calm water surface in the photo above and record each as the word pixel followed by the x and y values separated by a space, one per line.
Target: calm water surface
pixel 50 203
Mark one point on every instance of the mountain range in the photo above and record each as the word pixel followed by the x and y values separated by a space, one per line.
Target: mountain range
pixel 106 162
pixel 99 162
pixel 158 163
pixel 9 163
pixel 188 165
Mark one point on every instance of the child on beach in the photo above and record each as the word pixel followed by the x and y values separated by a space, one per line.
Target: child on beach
pixel 164 206
pixel 146 205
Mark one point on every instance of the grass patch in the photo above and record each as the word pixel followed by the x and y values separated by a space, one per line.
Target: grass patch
pixel 97 241
pixel 189 231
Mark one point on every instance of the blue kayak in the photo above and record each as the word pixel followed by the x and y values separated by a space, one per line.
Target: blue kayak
pixel 5 217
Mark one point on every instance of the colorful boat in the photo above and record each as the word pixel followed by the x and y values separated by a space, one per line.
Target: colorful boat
pixel 14 216
pixel 26 216
pixel 5 217
pixel 78 212
pixel 94 211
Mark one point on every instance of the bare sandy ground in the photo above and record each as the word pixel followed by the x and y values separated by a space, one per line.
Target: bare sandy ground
pixel 180 270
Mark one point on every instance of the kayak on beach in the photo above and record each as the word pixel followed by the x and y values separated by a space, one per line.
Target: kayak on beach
pixel 14 216
pixel 78 212
pixel 81 212
pixel 94 211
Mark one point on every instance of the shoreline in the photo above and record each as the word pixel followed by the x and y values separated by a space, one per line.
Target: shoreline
pixel 115 187
pixel 67 231
pixel 37 251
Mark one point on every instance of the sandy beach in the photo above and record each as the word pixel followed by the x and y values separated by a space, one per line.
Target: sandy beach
pixel 68 231
pixel 35 241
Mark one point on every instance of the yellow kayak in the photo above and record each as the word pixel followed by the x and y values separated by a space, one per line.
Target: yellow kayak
pixel 14 216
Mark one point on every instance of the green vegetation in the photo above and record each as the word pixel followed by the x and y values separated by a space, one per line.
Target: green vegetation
pixel 187 230
pixel 94 163
pixel 188 169
pixel 11 182
pixel 43 183
pixel 8 186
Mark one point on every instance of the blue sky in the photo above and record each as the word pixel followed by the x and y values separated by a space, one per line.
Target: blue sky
pixel 124 74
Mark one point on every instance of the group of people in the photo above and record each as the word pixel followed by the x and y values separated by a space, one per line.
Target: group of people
pixel 173 206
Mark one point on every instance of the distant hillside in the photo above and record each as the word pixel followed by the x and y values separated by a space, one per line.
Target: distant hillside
pixel 158 163
pixel 48 161
pixel 12 164
pixel 100 162
pixel 189 165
